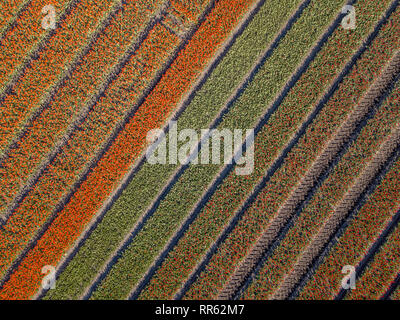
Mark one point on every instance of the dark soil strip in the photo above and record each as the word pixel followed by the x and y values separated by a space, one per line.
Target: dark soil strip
pixel 393 287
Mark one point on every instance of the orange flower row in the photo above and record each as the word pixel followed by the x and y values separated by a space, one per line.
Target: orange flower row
pixel 18 41
pixel 125 149
pixel 89 137
pixel 43 72
pixel 69 101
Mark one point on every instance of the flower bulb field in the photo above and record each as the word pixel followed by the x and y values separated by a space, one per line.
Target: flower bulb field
pixel 199 150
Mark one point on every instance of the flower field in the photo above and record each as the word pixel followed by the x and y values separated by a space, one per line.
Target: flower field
pixel 351 247
pixel 45 63
pixel 197 177
pixel 69 161
pixel 21 39
pixel 221 206
pixel 125 213
pixel 326 198
pixel 79 194
pixel 71 100
pixel 381 271
pixel 257 215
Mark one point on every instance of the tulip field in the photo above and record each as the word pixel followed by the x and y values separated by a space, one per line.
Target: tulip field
pixel 298 198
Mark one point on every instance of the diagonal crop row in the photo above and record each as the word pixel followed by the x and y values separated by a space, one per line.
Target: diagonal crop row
pixel 76 210
pixel 374 245
pixel 125 212
pixel 391 292
pixel 46 67
pixel 292 164
pixel 67 164
pixel 370 208
pixel 213 217
pixel 11 10
pixel 70 98
pixel 273 166
pixel 320 198
pixel 152 213
pixel 343 158
pixel 176 205
pixel 356 195
pixel 140 268
pixel 384 265
pixel 379 163
pixel 350 247
pixel 25 34
pixel 340 231
pixel 373 170
pixel 16 65
pixel 297 218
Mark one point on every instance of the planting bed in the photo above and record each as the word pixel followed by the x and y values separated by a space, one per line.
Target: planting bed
pixel 317 97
